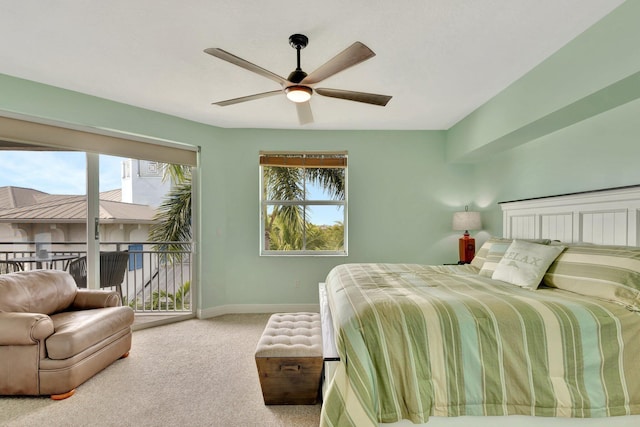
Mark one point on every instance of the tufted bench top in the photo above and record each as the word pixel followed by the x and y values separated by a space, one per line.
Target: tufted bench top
pixel 291 335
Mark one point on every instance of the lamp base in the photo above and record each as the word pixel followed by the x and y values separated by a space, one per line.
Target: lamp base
pixel 466 248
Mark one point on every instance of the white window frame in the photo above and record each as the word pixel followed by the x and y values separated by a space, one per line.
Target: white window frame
pixel 265 203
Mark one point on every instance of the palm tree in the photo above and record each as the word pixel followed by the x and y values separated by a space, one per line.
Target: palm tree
pixel 284 184
pixel 284 229
pixel 173 217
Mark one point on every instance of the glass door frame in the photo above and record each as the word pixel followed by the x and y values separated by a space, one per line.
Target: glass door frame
pixel 93 220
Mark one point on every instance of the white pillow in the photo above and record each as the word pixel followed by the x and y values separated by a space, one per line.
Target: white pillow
pixel 524 263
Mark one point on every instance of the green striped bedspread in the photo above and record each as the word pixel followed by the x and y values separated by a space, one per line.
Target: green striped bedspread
pixel 417 341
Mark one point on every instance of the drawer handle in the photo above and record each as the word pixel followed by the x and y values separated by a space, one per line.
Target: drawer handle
pixel 290 368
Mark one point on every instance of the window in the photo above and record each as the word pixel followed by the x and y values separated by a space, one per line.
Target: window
pixel 303 203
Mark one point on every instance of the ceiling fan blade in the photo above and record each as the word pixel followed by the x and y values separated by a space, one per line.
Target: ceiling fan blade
pixel 247 98
pixel 305 116
pixel 229 57
pixel 367 98
pixel 354 54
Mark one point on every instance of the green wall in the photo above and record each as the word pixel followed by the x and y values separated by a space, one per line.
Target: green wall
pixel 602 152
pixel 597 71
pixel 570 124
pixel 50 103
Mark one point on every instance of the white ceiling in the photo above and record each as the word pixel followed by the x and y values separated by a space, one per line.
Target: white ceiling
pixel 439 59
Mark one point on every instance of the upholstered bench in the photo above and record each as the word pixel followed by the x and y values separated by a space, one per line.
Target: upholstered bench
pixel 289 359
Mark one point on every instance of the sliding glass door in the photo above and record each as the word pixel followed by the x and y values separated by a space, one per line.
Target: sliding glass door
pixel 142 213
pixel 109 221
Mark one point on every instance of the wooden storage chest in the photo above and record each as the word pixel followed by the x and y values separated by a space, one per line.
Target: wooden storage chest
pixel 289 359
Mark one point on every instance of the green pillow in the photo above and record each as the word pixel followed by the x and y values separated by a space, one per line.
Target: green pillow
pixel 481 256
pixel 493 257
pixel 611 273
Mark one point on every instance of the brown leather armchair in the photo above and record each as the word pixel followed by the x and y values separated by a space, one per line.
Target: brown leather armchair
pixel 54 336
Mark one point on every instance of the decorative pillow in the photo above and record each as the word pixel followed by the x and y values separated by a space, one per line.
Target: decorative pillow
pixel 480 257
pixel 525 263
pixel 493 257
pixel 611 273
pixel 491 252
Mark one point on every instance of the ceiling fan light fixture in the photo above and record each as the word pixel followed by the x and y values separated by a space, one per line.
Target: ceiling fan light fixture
pixel 298 93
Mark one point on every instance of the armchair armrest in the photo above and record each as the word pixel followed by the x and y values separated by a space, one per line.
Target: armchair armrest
pixel 24 328
pixel 94 298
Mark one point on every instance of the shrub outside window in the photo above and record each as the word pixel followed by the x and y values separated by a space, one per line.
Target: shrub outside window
pixel 303 203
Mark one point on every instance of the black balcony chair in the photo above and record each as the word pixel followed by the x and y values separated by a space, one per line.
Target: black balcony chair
pixel 113 266
pixel 9 266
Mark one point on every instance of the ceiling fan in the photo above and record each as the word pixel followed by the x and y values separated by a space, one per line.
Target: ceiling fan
pixel 299 86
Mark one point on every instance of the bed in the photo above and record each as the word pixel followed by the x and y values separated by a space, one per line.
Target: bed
pixel 449 345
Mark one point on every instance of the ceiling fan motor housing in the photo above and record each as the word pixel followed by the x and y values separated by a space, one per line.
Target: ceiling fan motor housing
pixel 296 76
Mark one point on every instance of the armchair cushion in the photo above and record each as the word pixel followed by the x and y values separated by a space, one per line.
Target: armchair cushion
pixel 78 330
pixel 39 291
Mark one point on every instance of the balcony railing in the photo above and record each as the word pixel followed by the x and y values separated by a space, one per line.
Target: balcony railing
pixel 157 279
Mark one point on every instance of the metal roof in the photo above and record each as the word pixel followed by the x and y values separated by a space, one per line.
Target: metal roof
pixel 13 197
pixel 28 205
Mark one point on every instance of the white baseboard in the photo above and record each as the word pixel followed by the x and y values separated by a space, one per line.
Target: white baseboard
pixel 255 308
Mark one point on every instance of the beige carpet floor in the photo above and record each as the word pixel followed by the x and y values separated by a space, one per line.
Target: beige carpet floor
pixel 193 373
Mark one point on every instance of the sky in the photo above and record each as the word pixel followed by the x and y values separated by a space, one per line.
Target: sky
pixel 55 172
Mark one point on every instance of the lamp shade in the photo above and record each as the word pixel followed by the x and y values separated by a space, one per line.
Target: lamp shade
pixel 466 221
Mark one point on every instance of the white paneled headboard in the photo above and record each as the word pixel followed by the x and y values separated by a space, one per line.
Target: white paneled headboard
pixel 606 217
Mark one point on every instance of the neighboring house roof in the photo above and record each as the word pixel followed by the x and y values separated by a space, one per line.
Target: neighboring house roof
pixel 43 207
pixel 126 212
pixel 113 195
pixel 14 197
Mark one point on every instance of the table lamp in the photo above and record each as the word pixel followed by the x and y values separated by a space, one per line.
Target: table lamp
pixel 466 221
